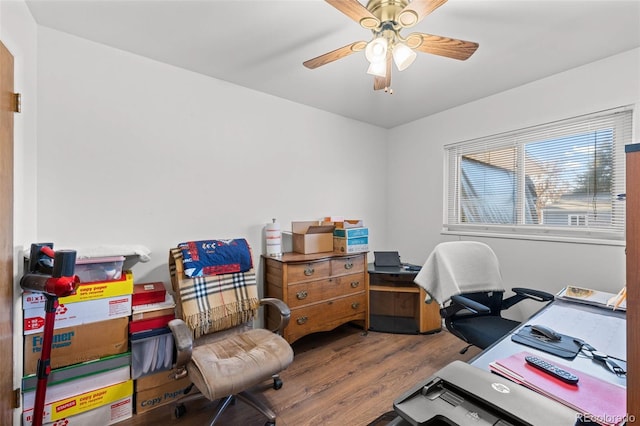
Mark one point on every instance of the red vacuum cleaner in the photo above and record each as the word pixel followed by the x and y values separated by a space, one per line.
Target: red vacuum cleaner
pixel 52 274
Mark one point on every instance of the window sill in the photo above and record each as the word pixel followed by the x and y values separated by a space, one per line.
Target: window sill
pixel 536 237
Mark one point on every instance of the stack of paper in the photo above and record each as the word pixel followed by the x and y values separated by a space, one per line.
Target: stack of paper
pixel 593 398
pixel 153 310
pixel 591 297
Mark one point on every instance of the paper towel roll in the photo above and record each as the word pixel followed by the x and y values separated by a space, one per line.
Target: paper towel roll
pixel 274 239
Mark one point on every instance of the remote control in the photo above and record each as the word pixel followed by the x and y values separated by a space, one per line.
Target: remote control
pixel 551 369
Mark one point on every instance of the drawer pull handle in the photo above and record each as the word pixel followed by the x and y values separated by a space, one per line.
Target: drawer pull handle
pixel 309 271
pixel 348 265
pixel 301 295
pixel 355 284
pixel 355 305
pixel 302 320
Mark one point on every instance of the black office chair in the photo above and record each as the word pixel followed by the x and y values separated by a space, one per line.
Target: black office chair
pixel 464 277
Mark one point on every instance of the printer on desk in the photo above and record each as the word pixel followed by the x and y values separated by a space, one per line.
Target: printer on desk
pixel 460 394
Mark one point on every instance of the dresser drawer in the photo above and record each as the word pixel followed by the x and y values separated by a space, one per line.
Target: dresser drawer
pixel 298 272
pixel 325 316
pixel 347 265
pixel 310 292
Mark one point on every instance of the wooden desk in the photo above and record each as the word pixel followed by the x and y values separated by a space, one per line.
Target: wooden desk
pixel 397 304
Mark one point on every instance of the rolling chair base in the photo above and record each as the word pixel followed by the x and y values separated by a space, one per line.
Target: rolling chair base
pixel 464 350
pixel 223 403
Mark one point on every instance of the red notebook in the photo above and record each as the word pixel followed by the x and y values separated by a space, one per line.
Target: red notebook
pixel 597 400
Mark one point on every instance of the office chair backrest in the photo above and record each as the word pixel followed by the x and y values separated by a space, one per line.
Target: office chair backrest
pixel 461 267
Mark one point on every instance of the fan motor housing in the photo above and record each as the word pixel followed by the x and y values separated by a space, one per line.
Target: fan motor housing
pixel 386 10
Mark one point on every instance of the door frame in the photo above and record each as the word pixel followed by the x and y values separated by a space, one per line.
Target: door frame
pixel 7 106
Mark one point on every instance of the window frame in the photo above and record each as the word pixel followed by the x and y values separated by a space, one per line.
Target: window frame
pixel 453 153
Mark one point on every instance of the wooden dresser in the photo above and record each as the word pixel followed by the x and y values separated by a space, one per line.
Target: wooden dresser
pixel 323 291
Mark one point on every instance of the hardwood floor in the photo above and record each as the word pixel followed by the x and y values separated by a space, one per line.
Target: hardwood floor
pixel 337 378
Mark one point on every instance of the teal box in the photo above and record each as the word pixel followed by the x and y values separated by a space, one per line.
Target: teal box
pixel 351 232
pixel 351 245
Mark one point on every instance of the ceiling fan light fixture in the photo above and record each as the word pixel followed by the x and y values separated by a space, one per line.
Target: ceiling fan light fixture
pixel 376 50
pixel 378 69
pixel 403 56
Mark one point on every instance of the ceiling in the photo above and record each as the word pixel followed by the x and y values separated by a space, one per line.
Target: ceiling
pixel 261 44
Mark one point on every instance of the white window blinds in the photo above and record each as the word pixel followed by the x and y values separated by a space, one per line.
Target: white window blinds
pixel 561 179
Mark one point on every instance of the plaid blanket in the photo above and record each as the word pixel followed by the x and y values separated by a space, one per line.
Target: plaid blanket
pixel 213 303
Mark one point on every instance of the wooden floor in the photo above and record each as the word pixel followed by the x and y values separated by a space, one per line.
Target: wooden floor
pixel 340 378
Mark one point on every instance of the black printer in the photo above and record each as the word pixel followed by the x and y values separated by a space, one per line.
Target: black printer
pixel 460 394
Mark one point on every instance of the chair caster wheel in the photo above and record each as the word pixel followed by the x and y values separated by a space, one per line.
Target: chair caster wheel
pixel 277 383
pixel 179 411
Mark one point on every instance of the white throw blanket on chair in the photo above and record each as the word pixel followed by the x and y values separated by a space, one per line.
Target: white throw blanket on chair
pixel 459 267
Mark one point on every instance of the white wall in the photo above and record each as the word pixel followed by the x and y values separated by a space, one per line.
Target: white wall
pixel 415 163
pixel 133 151
pixel 18 32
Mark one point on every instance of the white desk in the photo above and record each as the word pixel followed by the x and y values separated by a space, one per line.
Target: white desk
pixel 602 328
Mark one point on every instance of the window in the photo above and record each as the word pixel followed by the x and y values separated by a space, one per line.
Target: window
pixel 557 180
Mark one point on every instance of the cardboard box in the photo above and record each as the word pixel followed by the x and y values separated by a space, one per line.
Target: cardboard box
pixel 311 237
pixel 154 380
pixel 146 293
pixel 65 374
pixel 107 414
pixel 150 323
pixel 71 314
pixel 351 245
pixel 82 403
pixel 345 223
pixel 154 309
pixel 80 343
pixel 155 397
pixel 351 232
pixel 84 292
pixel 80 384
pixel 136 316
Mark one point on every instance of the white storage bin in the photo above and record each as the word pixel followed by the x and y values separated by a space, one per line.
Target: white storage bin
pixel 99 269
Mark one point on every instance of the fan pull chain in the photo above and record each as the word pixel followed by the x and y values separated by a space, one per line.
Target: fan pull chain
pixel 388 90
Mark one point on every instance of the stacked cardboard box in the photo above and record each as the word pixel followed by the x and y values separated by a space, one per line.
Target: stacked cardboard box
pixel 151 339
pixel 311 237
pixel 91 327
pixel 66 382
pixel 152 348
pixel 158 389
pixel 350 236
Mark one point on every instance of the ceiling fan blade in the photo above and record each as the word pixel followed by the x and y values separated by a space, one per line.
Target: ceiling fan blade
pixel 415 11
pixel 443 46
pixel 356 11
pixel 334 55
pixel 384 82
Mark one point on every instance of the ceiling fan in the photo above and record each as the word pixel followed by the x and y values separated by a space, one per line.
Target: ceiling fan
pixel 385 19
